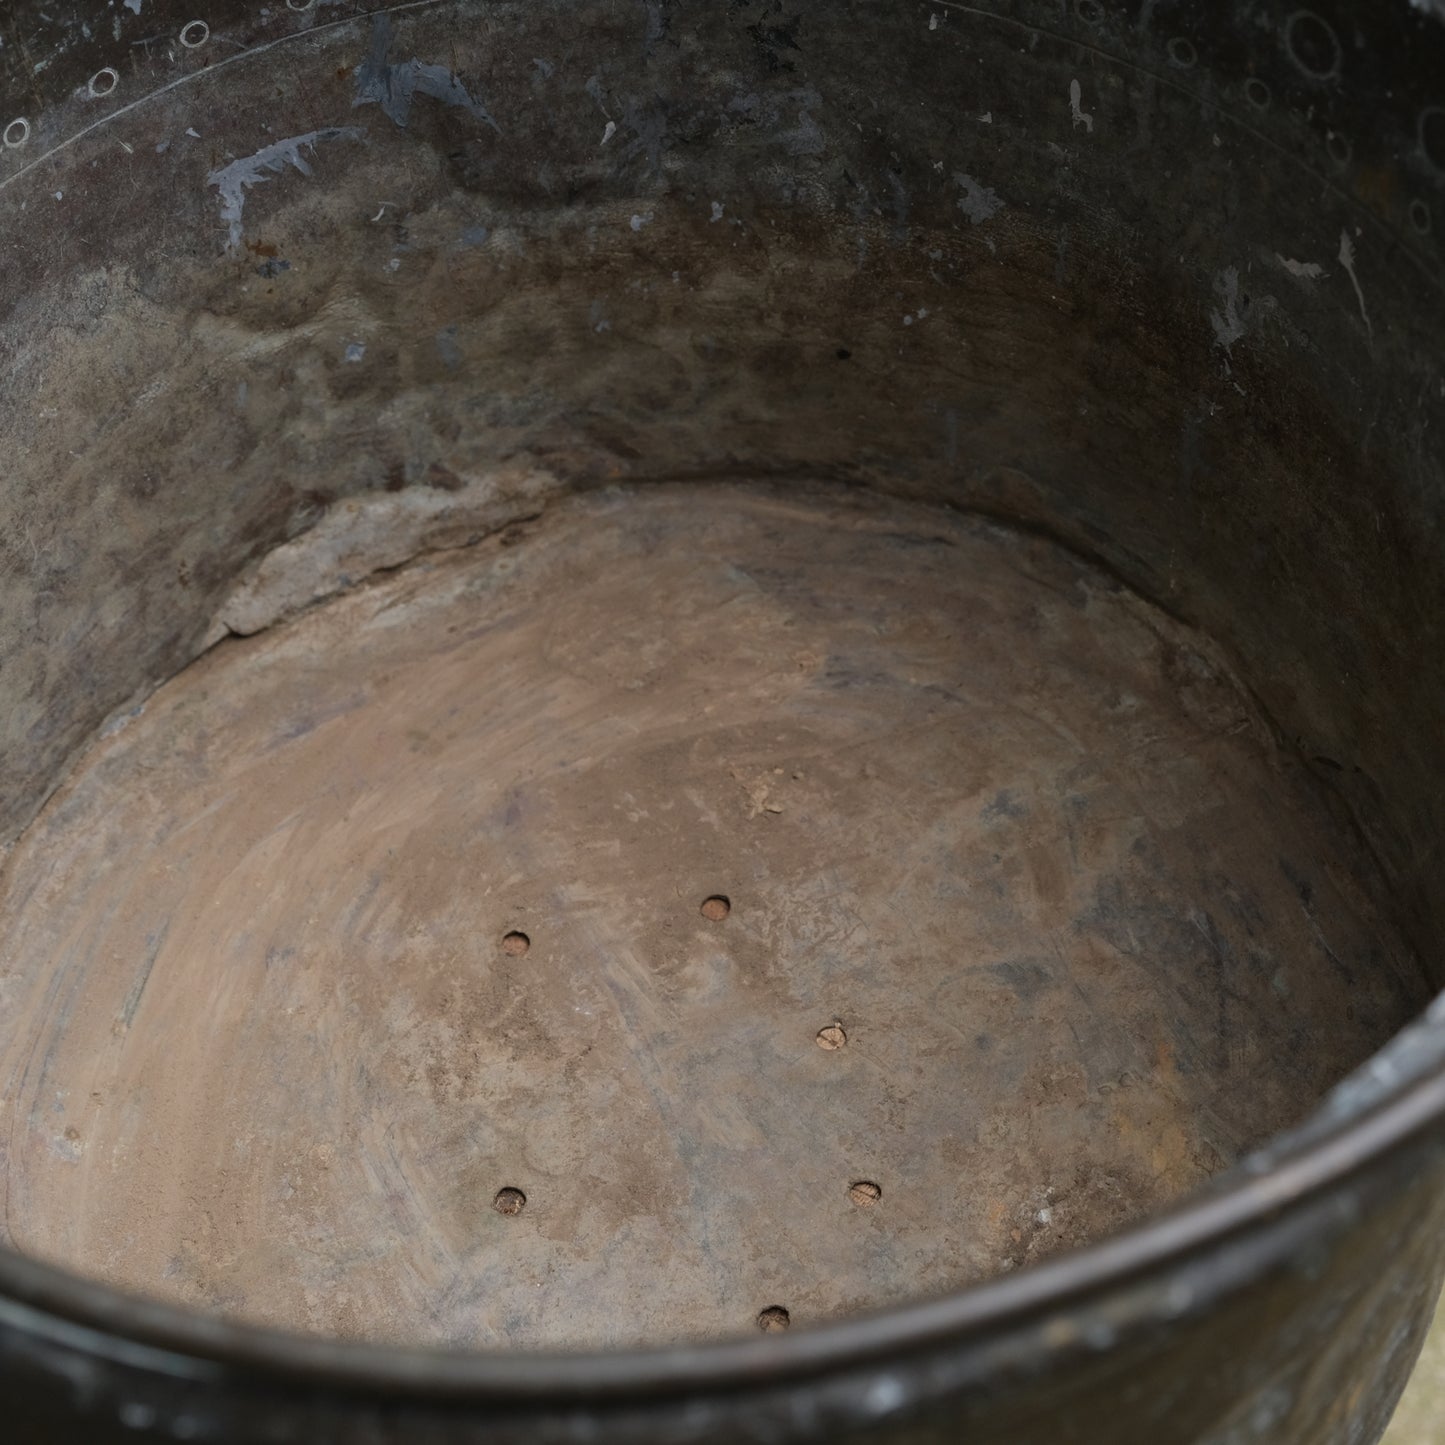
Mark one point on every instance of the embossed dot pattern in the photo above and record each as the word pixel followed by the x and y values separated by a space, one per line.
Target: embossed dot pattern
pixel 1182 53
pixel 1312 45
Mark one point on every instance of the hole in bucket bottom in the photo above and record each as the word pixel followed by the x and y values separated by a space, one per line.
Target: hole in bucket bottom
pixel 509 1201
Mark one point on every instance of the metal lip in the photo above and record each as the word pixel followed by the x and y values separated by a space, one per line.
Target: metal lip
pixel 47 1304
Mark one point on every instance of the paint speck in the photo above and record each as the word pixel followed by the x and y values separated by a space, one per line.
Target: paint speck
pixel 933 22
pixel 1076 103
pixel 395 87
pixel 908 321
pixel 1305 270
pixel 475 236
pixel 638 222
pixel 60 195
pixel 394 264
pixel 193 132
pixel 133 6
pixel 1347 260
pixel 234 180
pixel 355 351
pixel 986 118
pixel 609 130
pixel 1227 322
pixel 717 210
pixel 978 202
pixel 163 147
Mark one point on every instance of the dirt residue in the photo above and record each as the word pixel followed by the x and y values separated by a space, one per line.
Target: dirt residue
pixel 559 875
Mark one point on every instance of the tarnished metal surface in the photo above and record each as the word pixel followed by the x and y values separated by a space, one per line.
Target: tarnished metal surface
pixel 1161 281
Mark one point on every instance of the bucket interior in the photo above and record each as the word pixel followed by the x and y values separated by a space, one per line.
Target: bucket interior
pixel 680 670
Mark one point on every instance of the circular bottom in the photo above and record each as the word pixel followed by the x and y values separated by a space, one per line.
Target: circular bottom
pixel 702 903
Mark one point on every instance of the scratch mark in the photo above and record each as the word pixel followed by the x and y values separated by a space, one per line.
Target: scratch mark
pixel 1076 101
pixel 132 1001
pixel 1347 260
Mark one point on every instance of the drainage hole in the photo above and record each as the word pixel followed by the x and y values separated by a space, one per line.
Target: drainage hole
pixel 515 944
pixel 864 1193
pixel 774 1319
pixel 509 1201
pixel 832 1036
pixel 716 908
